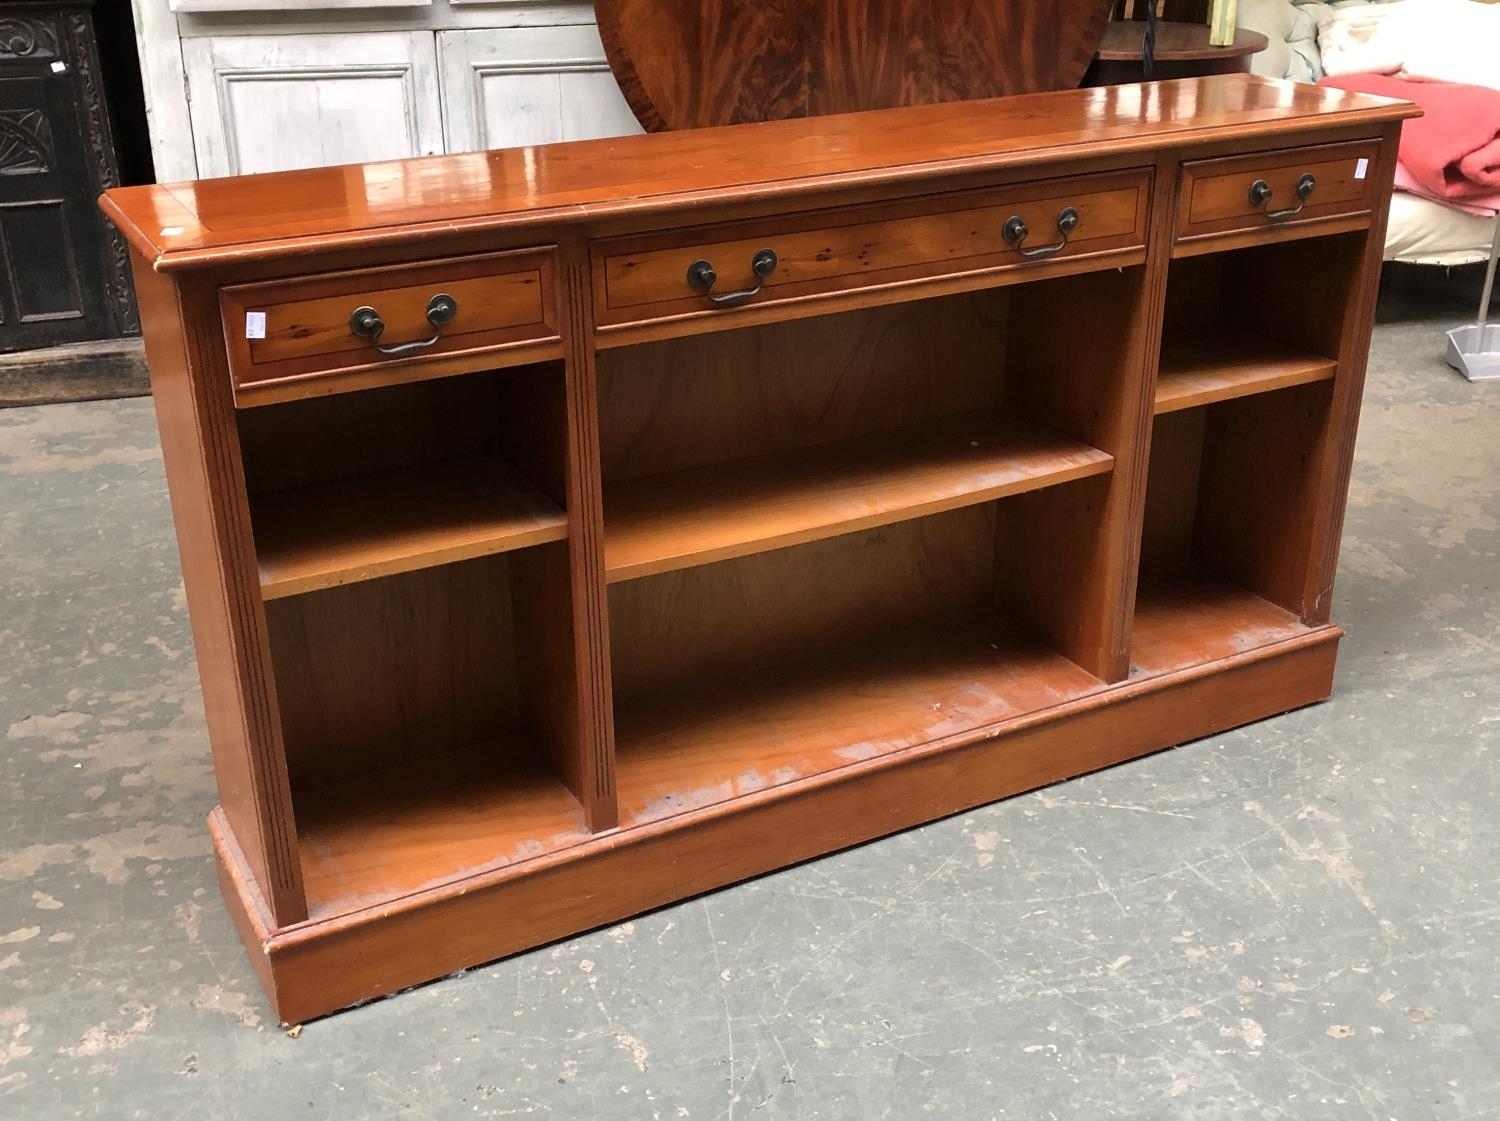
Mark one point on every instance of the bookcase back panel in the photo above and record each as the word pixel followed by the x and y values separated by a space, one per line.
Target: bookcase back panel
pixel 395 670
pixel 1073 356
pixel 518 413
pixel 1257 492
pixel 318 439
pixel 726 618
pixel 708 398
pixel 1232 488
pixel 1294 293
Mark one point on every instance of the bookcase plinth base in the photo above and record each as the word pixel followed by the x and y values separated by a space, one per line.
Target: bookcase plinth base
pixel 311 969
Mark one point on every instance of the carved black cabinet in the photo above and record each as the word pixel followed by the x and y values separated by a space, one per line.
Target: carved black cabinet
pixel 63 271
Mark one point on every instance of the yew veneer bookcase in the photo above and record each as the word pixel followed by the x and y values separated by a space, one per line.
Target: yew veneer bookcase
pixel 722 498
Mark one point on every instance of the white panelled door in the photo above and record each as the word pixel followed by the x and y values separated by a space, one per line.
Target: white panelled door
pixel 278 102
pixel 528 85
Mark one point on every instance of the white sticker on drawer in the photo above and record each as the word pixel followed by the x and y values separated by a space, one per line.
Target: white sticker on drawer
pixel 1360 168
pixel 255 325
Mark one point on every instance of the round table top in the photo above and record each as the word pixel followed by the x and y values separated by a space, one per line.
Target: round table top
pixel 1175 42
pixel 696 63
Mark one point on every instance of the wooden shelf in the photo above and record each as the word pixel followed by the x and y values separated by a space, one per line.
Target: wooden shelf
pixel 403 829
pixel 1194 617
pixel 1209 367
pixel 397 521
pixel 665 522
pixel 828 709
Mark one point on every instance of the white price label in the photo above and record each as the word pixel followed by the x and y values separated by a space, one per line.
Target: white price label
pixel 255 325
pixel 1361 168
pixel 59 66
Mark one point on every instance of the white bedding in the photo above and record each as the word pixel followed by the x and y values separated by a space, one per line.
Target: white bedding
pixel 1426 40
pixel 1423 232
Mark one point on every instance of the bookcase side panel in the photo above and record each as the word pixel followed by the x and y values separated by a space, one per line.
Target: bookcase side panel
pixel 200 450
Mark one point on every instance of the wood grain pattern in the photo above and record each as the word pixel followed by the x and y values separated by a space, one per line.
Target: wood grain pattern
pixel 696 63
pixel 1071 582
pixel 552 713
pixel 824 708
pixel 1215 196
pixel 594 720
pixel 380 525
pixel 1171 496
pixel 263 217
pixel 388 833
pixel 645 278
pixel 505 302
pixel 1363 260
pixel 205 479
pixel 447 735
pixel 660 523
pixel 737 618
pixel 388 429
pixel 326 966
pixel 395 671
pixel 687 402
pixel 1202 370
pixel 1226 621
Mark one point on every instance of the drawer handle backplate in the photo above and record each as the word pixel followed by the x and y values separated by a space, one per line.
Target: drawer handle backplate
pixel 1016 232
pixel 1260 195
pixel 701 275
pixel 367 324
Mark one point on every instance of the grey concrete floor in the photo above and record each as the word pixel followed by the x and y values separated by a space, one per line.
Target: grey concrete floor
pixel 1300 919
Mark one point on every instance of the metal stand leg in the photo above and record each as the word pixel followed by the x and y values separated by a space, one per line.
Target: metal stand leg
pixel 1475 350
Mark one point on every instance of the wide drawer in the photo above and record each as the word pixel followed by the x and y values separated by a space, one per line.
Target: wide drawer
pixel 652 277
pixel 301 336
pixel 1261 192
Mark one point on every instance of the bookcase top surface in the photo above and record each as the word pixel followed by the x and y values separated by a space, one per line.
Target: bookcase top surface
pixel 288 213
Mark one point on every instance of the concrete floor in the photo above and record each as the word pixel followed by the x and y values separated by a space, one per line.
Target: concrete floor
pixel 1297 920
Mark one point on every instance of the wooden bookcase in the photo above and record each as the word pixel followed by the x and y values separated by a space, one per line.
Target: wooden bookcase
pixel 611 593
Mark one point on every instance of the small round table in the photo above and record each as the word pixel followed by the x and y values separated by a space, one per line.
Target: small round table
pixel 1182 51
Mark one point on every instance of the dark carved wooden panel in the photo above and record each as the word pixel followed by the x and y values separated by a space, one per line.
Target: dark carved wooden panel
pixel 63 272
pixel 695 63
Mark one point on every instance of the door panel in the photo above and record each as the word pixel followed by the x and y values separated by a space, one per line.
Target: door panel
pixel 279 102
pixel 51 238
pixel 528 85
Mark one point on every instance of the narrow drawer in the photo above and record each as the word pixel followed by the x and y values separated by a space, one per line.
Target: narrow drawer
pixel 1261 192
pixel 348 330
pixel 661 276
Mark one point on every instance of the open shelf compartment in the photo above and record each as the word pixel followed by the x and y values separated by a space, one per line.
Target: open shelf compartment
pixel 728 444
pixel 426 728
pixel 751 673
pixel 401 478
pixel 1230 537
pixel 1234 327
pixel 834 539
pixel 418 603
pixel 704 514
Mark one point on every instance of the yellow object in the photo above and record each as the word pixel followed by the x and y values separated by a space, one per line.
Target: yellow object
pixel 1221 20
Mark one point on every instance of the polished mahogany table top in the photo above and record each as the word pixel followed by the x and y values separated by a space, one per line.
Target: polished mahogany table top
pixel 247 217
pixel 699 63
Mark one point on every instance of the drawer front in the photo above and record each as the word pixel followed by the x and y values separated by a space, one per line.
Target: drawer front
pixel 298 337
pixel 1261 192
pixel 644 278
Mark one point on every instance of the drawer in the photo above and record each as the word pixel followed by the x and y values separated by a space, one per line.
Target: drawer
pixel 298 337
pixel 1261 192
pixel 651 277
